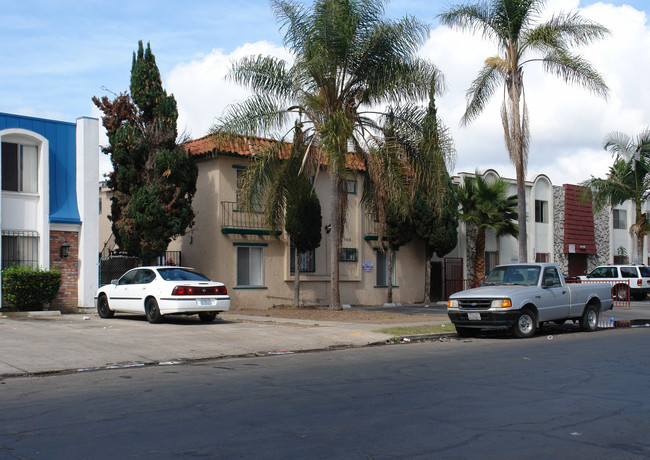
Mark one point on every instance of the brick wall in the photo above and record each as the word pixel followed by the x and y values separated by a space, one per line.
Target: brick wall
pixel 67 299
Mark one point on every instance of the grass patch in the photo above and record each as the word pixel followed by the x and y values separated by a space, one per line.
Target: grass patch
pixel 403 331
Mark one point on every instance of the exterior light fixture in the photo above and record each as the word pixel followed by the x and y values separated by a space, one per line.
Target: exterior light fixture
pixel 65 250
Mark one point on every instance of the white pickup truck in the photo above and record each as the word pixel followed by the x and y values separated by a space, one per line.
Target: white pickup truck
pixel 520 297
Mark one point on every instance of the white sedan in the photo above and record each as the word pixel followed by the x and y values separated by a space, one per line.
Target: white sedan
pixel 159 291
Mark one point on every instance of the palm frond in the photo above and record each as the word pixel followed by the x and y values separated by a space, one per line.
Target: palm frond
pixel 482 89
pixel 575 69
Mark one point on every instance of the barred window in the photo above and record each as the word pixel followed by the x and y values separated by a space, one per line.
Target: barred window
pixel 306 261
pixel 348 255
pixel 19 248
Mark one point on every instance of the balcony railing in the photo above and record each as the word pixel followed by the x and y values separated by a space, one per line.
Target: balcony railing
pixel 236 220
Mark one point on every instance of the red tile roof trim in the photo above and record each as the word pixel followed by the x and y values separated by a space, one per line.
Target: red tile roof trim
pixel 248 147
pixel 579 233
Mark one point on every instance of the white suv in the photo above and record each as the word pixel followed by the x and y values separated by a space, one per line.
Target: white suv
pixel 638 276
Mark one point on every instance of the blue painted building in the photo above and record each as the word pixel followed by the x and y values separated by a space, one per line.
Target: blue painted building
pixel 49 215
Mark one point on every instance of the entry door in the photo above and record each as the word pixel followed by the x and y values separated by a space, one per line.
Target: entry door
pixel 577 264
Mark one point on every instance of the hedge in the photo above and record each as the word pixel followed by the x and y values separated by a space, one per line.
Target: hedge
pixel 25 289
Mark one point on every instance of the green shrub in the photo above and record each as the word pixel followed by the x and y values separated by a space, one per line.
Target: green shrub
pixel 27 289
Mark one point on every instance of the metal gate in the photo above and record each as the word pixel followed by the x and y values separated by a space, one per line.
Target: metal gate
pixel 453 275
pixel 113 266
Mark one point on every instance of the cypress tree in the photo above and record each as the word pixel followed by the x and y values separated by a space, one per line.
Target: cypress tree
pixel 153 179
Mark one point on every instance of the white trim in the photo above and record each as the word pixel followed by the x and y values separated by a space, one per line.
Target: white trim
pixel 87 199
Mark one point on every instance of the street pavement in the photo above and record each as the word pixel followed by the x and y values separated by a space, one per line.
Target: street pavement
pixel 79 342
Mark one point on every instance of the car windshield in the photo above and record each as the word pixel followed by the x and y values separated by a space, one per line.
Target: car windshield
pixel 513 274
pixel 181 274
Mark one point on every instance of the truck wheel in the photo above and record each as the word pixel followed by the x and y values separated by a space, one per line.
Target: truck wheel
pixel 589 319
pixel 526 324
pixel 467 331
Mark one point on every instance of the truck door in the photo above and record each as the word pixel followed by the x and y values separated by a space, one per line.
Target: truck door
pixel 555 296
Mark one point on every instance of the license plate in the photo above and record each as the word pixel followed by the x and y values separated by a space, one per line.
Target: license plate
pixel 204 302
pixel 474 316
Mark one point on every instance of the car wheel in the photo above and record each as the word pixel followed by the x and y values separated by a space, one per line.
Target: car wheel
pixel 620 293
pixel 526 324
pixel 152 311
pixel 207 317
pixel 589 319
pixel 467 331
pixel 103 310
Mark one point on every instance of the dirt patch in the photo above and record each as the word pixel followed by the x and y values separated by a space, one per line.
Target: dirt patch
pixel 348 316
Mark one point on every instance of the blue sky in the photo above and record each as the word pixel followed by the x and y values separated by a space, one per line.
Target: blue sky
pixel 56 55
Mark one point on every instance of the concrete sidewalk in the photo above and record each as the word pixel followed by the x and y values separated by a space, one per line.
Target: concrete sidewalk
pixel 43 344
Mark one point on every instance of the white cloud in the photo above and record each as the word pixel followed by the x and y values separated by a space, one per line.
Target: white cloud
pixel 201 90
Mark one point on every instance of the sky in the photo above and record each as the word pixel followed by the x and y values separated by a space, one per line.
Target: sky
pixel 57 55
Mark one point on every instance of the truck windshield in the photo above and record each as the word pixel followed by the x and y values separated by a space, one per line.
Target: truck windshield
pixel 513 274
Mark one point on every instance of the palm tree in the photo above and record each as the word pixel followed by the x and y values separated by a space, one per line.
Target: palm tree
pixel 348 61
pixel 486 206
pixel 628 179
pixel 523 39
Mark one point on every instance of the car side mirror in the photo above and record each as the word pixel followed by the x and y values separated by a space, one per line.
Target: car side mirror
pixel 548 282
pixel 114 282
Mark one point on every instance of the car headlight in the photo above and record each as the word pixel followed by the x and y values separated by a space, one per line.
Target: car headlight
pixel 501 303
pixel 452 303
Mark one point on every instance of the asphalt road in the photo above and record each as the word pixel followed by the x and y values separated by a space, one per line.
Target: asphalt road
pixel 569 395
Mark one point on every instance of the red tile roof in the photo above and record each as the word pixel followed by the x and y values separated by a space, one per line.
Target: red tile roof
pixel 249 147
pixel 578 223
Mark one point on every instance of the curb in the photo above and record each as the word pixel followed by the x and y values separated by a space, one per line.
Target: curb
pixel 29 314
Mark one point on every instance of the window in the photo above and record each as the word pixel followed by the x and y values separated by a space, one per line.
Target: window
pixel 491 261
pixel 551 278
pixel 352 186
pixel 306 261
pixel 19 248
pixel 620 219
pixel 603 272
pixel 541 211
pixel 19 168
pixel 348 255
pixel 382 269
pixel 250 266
pixel 629 272
pixel 240 191
pixel 542 257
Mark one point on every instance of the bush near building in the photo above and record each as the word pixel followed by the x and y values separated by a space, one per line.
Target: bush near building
pixel 27 289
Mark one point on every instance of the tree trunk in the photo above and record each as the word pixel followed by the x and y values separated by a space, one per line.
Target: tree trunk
pixel 516 149
pixel 479 267
pixel 641 224
pixel 296 283
pixel 428 253
pixel 389 264
pixel 521 216
pixel 335 244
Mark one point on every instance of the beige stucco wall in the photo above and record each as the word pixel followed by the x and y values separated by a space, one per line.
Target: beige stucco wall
pixel 207 249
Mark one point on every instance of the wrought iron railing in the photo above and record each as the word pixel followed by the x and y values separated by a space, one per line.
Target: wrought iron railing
pixel 234 219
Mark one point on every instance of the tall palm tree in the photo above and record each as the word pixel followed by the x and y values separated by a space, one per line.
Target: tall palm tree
pixel 522 39
pixel 628 179
pixel 486 206
pixel 348 61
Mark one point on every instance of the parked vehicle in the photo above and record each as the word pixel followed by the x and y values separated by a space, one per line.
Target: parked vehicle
pixel 638 277
pixel 521 297
pixel 159 291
